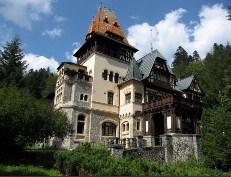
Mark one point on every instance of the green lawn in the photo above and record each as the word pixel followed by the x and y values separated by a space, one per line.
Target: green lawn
pixel 28 163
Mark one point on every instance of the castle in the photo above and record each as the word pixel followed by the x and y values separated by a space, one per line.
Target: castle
pixel 107 93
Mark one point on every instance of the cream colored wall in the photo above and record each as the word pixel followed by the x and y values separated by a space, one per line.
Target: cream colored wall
pixel 98 63
pixel 127 110
pixel 130 87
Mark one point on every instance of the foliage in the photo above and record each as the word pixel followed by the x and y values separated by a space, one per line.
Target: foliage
pixel 216 128
pixel 25 120
pixel 98 162
pixel 182 61
pixel 40 83
pixel 12 66
pixel 21 170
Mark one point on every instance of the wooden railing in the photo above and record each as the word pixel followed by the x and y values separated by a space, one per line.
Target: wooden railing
pixel 159 103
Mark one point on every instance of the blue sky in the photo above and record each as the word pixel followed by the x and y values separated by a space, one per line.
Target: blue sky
pixel 52 30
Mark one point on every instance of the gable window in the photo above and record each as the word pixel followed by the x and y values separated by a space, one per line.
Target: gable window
pixel 111 76
pixel 110 96
pixel 138 97
pixel 80 124
pixel 116 79
pixel 104 75
pixel 108 129
pixel 128 98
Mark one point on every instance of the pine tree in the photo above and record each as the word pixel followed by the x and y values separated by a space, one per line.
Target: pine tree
pixel 181 62
pixel 196 56
pixel 12 66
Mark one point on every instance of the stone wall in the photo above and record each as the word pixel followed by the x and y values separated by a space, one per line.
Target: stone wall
pixel 148 153
pixel 174 147
pixel 97 118
pixel 181 146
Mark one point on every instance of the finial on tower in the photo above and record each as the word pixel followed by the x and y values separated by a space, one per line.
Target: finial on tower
pixel 101 2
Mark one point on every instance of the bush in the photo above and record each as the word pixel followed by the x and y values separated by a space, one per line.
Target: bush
pixel 98 162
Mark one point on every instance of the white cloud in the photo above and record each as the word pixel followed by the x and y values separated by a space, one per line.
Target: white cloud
pixel 36 62
pixel 170 33
pixel 56 32
pixel 134 17
pixel 60 19
pixel 24 12
pixel 70 56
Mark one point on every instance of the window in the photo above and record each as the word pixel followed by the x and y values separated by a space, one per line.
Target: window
pixel 80 124
pixel 104 75
pixel 83 97
pixel 110 98
pixel 125 126
pixel 128 98
pixel 138 97
pixel 116 79
pixel 138 124
pixel 111 76
pixel 108 129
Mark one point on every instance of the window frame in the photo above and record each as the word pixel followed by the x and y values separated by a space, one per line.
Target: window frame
pixel 82 123
pixel 128 97
pixel 108 129
pixel 138 97
pixel 110 98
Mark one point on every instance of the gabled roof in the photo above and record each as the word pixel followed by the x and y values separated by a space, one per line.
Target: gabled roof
pixel 133 72
pixel 184 84
pixel 146 62
pixel 106 21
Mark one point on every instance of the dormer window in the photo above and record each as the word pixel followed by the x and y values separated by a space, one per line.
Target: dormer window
pixel 106 20
pixel 116 24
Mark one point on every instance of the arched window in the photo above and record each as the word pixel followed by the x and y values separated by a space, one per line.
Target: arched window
pixel 125 126
pixel 108 129
pixel 111 76
pixel 104 75
pixel 116 79
pixel 80 124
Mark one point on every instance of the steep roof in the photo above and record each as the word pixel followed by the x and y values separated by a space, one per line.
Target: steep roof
pixel 146 62
pixel 184 84
pixel 133 72
pixel 106 21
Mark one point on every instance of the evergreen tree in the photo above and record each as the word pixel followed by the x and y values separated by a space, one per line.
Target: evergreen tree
pixel 12 66
pixel 196 56
pixel 181 62
pixel 40 83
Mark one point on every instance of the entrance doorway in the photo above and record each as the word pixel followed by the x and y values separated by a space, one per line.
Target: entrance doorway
pixel 158 120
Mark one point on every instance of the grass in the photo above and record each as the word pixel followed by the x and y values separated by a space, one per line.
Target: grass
pixel 28 163
pixel 29 170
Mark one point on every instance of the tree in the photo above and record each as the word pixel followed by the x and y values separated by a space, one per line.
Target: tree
pixel 181 62
pixel 24 120
pixel 196 56
pixel 40 83
pixel 12 66
pixel 216 136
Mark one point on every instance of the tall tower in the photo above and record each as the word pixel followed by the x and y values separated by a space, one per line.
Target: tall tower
pixel 88 90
